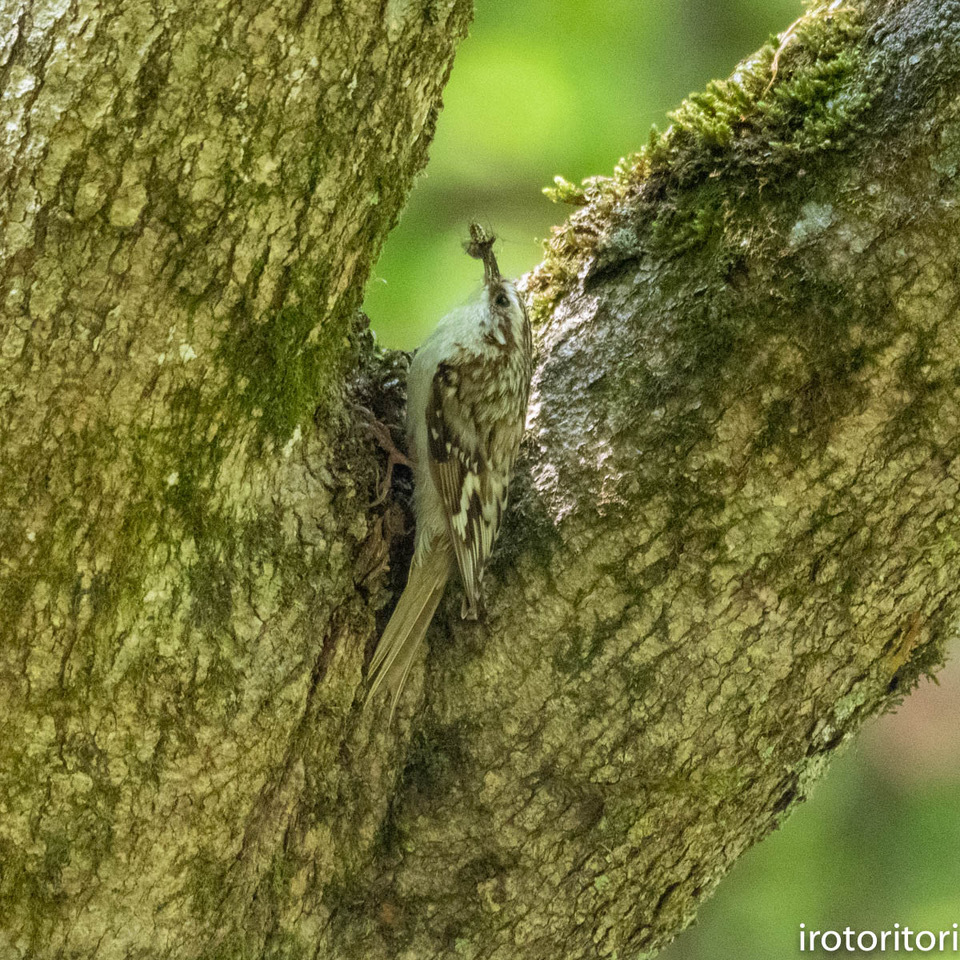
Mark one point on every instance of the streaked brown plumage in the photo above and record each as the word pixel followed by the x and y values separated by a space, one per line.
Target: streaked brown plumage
pixel 467 395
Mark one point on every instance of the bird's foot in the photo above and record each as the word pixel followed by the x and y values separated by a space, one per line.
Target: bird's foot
pixel 395 456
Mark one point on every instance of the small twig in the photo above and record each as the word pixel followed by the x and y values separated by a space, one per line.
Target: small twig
pixel 787 35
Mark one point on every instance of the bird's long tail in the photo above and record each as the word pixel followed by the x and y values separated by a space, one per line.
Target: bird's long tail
pixel 407 627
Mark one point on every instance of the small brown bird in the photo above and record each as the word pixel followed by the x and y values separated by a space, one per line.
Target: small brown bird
pixel 467 394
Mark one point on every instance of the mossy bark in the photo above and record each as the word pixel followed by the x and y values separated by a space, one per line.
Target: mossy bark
pixel 734 535
pixel 191 197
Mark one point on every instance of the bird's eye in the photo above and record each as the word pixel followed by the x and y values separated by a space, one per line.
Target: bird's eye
pixel 502 300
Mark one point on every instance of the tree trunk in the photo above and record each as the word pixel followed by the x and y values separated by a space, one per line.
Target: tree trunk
pixel 733 535
pixel 191 196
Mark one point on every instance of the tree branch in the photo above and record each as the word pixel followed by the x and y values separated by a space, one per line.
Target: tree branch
pixel 736 539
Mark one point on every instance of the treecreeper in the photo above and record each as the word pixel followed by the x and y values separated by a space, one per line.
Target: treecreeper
pixel 467 395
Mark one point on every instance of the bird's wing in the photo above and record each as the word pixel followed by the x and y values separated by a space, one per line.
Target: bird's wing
pixel 473 491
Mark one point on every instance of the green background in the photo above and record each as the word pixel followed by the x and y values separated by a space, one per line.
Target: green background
pixel 541 88
pixel 547 87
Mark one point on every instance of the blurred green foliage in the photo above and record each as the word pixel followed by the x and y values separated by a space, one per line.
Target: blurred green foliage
pixel 867 851
pixel 540 88
pixel 547 87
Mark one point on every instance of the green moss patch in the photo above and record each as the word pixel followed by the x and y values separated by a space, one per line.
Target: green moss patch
pixel 283 365
pixel 741 141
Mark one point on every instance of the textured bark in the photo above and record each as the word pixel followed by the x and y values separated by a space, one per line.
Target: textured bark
pixel 191 196
pixel 733 538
